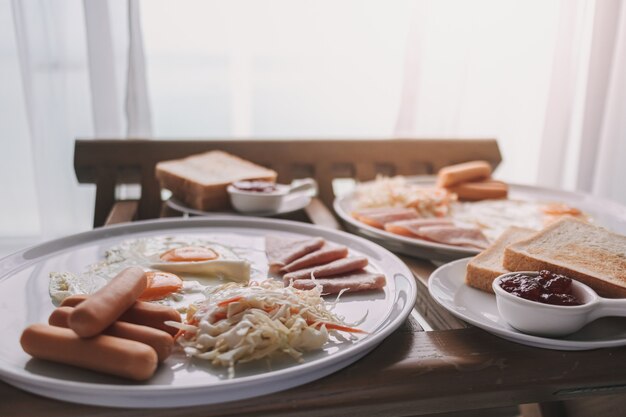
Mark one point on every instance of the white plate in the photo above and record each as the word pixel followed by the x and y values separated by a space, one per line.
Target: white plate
pixel 179 382
pixel 605 213
pixel 446 285
pixel 291 202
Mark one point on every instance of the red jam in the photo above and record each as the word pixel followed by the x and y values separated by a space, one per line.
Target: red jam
pixel 255 186
pixel 547 288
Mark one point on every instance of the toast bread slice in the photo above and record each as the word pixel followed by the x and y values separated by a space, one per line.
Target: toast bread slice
pixel 487 265
pixel 200 181
pixel 579 250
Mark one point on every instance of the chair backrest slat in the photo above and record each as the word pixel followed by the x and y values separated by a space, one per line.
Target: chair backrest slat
pixel 108 162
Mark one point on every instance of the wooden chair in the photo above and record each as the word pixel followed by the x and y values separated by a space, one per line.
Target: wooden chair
pixel 108 163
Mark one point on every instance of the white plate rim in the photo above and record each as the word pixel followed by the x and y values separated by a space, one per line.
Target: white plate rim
pixel 9 264
pixel 509 334
pixel 178 205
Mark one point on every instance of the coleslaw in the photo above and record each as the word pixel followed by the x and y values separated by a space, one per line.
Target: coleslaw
pixel 428 201
pixel 241 323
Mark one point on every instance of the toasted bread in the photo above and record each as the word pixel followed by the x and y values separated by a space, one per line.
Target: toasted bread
pixel 487 265
pixel 200 181
pixel 579 250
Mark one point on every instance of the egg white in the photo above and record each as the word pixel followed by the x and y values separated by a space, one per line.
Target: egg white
pixel 145 252
pixel 493 217
pixel 64 284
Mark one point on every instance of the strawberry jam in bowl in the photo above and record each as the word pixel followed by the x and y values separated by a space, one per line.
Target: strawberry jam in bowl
pixel 255 186
pixel 545 287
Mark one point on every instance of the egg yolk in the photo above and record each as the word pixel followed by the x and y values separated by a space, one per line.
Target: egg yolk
pixel 560 209
pixel 160 285
pixel 189 254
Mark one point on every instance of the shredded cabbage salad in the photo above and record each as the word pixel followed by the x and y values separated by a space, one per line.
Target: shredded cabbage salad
pixel 241 323
pixel 428 201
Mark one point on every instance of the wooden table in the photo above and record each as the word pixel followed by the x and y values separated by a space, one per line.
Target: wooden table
pixel 433 364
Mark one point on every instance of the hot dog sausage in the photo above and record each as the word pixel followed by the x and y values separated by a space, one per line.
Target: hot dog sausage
pixel 105 306
pixel 103 353
pixel 60 316
pixel 160 341
pixel 144 313
pixel 468 171
pixel 481 190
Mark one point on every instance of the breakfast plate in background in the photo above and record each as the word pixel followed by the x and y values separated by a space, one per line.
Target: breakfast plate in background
pixel 602 212
pixel 447 287
pixel 259 198
pixel 206 184
pixel 25 299
pixel 290 204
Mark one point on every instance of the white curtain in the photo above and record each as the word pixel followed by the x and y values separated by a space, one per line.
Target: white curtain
pixel 51 85
pixel 70 69
pixel 481 68
pixel 603 135
pixel 584 141
pixel 545 77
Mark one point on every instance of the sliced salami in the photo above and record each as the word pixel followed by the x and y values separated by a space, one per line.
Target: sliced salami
pixel 319 257
pixel 282 250
pixel 411 228
pixel 340 266
pixel 353 282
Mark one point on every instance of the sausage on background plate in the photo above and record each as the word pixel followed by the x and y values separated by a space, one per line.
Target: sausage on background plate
pixel 465 172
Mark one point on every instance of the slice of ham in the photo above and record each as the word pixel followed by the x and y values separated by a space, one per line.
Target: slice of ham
pixel 411 228
pixel 340 266
pixel 380 216
pixel 454 235
pixel 373 211
pixel 319 257
pixel 356 281
pixel 282 250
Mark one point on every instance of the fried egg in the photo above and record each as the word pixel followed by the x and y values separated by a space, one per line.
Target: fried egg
pixel 64 284
pixel 493 217
pixel 180 269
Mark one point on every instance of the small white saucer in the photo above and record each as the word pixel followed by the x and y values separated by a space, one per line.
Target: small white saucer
pixel 290 203
pixel 447 286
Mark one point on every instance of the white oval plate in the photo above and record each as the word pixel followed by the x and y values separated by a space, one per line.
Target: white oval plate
pixel 605 213
pixel 291 202
pixel 180 382
pixel 446 285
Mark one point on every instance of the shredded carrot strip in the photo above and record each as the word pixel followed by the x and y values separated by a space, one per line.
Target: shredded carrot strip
pixel 230 300
pixel 331 326
pixel 219 316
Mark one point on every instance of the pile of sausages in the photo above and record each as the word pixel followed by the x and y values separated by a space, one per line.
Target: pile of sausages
pixel 109 331
pixel 471 181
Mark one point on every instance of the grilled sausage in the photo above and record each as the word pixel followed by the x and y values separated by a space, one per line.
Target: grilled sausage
pixel 481 190
pixel 160 341
pixel 144 313
pixel 103 353
pixel 468 171
pixel 105 306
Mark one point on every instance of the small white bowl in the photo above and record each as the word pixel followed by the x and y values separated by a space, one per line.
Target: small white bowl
pixel 549 320
pixel 260 201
